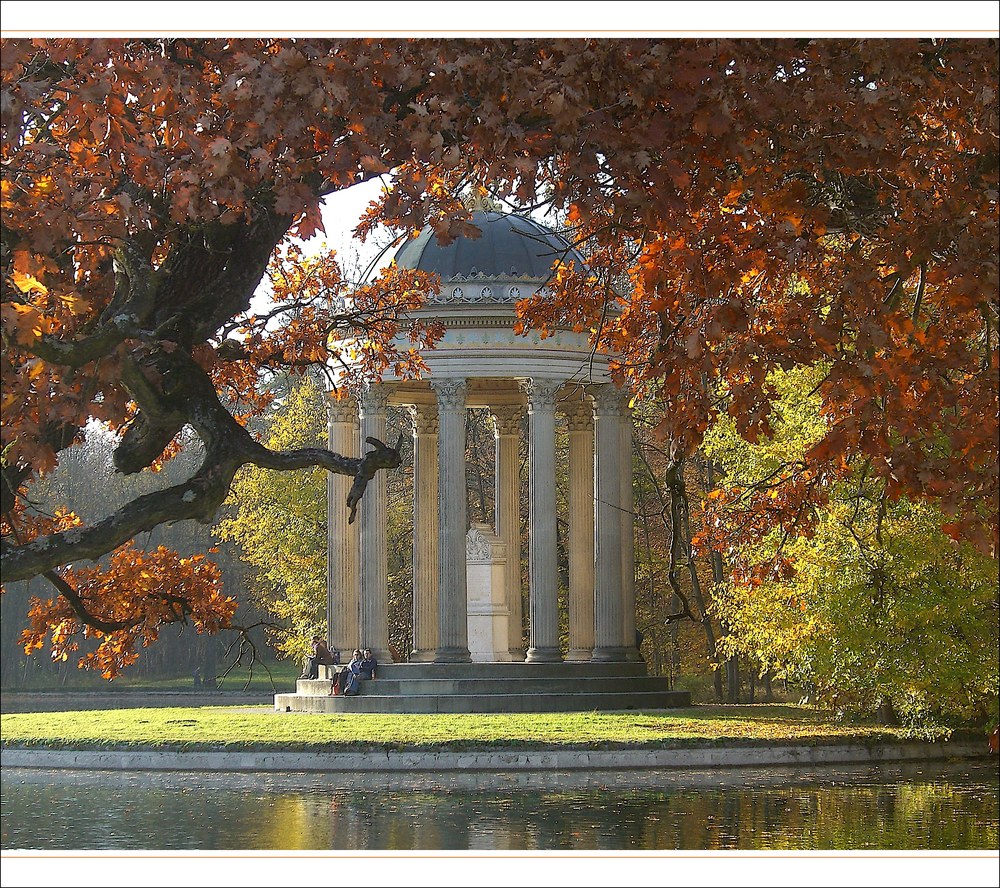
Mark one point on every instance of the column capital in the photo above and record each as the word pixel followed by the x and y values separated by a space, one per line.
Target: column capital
pixel 507 419
pixel 425 419
pixel 609 400
pixel 541 392
pixel 373 399
pixel 450 393
pixel 579 416
pixel 342 410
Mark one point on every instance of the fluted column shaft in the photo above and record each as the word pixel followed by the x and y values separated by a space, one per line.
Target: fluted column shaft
pixel 543 565
pixel 608 618
pixel 425 532
pixel 628 540
pixel 581 531
pixel 453 524
pixel 374 610
pixel 343 546
pixel 507 423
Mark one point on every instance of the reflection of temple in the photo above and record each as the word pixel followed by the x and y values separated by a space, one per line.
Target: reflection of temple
pixel 467 587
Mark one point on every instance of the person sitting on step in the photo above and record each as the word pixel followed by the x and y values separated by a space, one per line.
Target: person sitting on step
pixel 346 681
pixel 368 665
pixel 320 655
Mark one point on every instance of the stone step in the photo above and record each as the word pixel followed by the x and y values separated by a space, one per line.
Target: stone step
pixel 410 686
pixel 494 703
pixel 511 670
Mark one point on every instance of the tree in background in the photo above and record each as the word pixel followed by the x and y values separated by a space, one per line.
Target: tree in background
pixel 770 204
pixel 86 475
pixel 278 521
pixel 859 594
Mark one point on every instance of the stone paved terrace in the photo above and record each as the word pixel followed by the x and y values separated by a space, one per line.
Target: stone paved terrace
pixel 493 687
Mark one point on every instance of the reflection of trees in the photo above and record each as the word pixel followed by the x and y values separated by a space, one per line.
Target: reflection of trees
pixel 208 815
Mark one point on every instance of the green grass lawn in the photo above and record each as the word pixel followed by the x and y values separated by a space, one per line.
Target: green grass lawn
pixel 235 727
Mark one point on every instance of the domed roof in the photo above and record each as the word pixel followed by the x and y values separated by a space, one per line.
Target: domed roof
pixel 509 247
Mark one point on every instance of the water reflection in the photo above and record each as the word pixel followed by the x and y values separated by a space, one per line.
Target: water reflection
pixel 928 806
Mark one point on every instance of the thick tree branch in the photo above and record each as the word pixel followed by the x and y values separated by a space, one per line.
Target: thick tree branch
pixel 76 353
pixel 198 498
pixel 80 609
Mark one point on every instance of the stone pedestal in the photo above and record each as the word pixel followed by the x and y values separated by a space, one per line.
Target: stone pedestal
pixel 486 563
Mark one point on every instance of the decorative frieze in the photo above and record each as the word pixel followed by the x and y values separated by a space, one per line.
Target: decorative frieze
pixel 480 287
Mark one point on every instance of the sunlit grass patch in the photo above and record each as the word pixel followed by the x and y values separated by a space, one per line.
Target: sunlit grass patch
pixel 258 727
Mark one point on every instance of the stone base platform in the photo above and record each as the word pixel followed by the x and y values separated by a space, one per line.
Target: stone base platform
pixel 493 687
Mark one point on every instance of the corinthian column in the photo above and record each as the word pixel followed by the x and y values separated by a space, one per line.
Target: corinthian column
pixel 425 532
pixel 342 544
pixel 543 579
pixel 374 628
pixel 453 523
pixel 608 611
pixel 580 421
pixel 628 540
pixel 507 428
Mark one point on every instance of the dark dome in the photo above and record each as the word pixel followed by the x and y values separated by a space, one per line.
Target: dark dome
pixel 510 246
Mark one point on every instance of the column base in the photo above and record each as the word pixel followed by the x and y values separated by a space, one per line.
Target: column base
pixel 452 655
pixel 544 655
pixel 610 655
pixel 633 655
pixel 422 656
pixel 579 655
pixel 517 656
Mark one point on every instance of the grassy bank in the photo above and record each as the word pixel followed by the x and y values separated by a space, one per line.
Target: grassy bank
pixel 233 727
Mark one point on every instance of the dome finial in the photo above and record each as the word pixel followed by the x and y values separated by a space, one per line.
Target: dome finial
pixel 478 200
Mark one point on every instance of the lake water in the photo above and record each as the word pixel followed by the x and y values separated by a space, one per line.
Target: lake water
pixel 933 806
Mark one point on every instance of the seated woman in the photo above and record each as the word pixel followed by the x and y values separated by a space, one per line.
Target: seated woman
pixel 346 681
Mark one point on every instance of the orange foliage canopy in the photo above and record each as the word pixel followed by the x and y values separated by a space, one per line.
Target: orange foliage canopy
pixel 744 205
pixel 135 594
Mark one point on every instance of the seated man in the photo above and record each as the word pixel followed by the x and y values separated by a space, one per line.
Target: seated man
pixel 324 656
pixel 321 655
pixel 368 665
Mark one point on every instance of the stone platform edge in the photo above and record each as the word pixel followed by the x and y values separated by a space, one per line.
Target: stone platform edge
pixel 486 760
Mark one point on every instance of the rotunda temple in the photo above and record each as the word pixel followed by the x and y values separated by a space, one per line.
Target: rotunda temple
pixel 475 646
